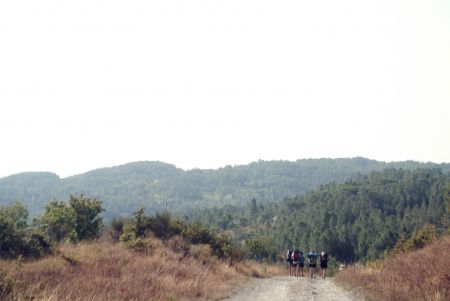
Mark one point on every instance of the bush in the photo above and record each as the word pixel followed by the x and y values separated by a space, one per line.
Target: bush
pixel 177 234
pixel 424 236
pixel 260 248
pixel 16 238
pixel 419 239
pixel 115 229
pixel 141 245
pixel 165 226
pixel 162 225
pixel 128 233
pixel 197 233
pixel 221 246
pixel 36 244
pixel 77 220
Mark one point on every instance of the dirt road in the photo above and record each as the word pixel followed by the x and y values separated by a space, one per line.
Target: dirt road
pixel 292 289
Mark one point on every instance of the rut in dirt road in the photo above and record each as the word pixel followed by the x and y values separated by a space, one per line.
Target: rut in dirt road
pixel 293 289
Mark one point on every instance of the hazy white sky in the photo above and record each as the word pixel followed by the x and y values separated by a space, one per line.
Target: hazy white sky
pixel 88 83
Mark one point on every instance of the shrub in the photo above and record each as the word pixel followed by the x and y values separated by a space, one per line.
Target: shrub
pixel 161 225
pixel 197 233
pixel 261 247
pixel 166 227
pixel 79 219
pixel 419 239
pixel 115 229
pixel 16 238
pixel 128 233
pixel 36 244
pixel 177 226
pixel 141 245
pixel 221 245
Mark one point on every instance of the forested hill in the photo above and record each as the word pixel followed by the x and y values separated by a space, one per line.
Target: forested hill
pixel 123 189
pixel 356 220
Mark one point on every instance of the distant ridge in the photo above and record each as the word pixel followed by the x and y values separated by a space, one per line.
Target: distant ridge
pixel 153 184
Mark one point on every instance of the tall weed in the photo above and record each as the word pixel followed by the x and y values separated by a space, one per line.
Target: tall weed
pixel 418 275
pixel 173 270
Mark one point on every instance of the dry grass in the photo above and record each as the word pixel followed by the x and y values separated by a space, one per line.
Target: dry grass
pixel 419 275
pixel 106 271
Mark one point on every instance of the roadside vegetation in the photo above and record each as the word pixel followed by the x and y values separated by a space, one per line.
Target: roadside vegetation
pixel 103 270
pixel 137 258
pixel 416 268
pixel 389 222
pixel 422 274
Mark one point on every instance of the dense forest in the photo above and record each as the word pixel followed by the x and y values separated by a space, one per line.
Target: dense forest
pixel 360 219
pixel 155 185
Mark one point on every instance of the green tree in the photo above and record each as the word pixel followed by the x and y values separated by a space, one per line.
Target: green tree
pixel 141 223
pixel 10 227
pixel 16 237
pixel 79 219
pixel 57 220
pixel 88 220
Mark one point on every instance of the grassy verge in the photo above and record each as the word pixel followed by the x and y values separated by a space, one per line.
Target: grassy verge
pixel 107 271
pixel 418 275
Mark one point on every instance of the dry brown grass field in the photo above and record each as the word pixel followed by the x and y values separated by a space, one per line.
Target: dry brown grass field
pixel 418 275
pixel 108 271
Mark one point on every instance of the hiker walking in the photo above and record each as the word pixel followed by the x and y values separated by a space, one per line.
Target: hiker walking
pixel 296 262
pixel 289 261
pixel 301 263
pixel 312 263
pixel 324 263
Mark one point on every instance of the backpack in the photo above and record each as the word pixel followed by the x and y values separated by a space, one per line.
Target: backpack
pixel 311 258
pixel 289 254
pixel 296 256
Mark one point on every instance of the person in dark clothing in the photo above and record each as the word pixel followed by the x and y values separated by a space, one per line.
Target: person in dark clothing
pixel 312 263
pixel 324 263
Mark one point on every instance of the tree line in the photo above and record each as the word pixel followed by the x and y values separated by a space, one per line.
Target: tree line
pixel 156 185
pixel 361 219
pixel 80 219
pixel 76 220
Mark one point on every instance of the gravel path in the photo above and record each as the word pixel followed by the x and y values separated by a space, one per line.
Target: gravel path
pixel 292 289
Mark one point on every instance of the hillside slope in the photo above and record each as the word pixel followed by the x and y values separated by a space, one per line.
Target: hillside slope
pixel 418 275
pixel 123 189
pixel 108 271
pixel 355 220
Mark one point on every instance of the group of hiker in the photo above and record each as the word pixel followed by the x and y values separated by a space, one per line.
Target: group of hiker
pixel 296 263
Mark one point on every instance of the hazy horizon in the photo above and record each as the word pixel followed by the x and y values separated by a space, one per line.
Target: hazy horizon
pixel 212 168
pixel 206 84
